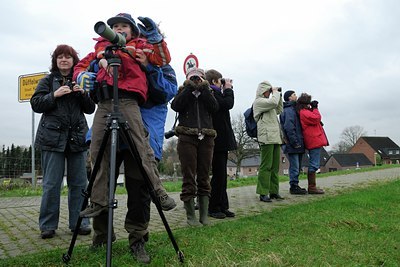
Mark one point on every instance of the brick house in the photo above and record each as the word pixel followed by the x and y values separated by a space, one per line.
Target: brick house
pixel 379 150
pixel 352 161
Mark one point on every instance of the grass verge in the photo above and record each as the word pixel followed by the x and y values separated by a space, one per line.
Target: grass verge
pixel 355 228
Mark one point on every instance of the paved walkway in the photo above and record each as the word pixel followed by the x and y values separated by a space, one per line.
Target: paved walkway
pixel 19 233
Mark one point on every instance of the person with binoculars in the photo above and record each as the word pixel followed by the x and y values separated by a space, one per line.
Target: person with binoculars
pixel 133 92
pixel 314 137
pixel 293 146
pixel 267 106
pixel 225 141
pixel 195 104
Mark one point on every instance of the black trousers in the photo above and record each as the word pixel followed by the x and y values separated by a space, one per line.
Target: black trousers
pixel 219 197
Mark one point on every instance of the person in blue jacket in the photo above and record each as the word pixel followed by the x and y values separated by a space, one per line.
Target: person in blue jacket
pixel 294 141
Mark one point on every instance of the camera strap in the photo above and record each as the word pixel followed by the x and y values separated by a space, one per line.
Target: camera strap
pixel 176 119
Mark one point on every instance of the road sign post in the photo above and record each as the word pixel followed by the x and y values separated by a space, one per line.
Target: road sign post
pixel 26 87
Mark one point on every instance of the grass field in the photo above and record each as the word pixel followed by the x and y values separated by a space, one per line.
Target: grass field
pixel 359 227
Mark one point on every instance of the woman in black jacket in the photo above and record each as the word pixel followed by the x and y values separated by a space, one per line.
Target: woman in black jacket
pixel 61 136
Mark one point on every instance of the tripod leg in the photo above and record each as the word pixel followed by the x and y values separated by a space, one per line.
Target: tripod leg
pixel 112 202
pixel 86 194
pixel 133 150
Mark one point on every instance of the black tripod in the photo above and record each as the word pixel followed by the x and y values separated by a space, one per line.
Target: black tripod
pixel 117 127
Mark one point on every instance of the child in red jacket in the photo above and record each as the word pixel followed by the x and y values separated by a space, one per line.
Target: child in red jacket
pixel 132 91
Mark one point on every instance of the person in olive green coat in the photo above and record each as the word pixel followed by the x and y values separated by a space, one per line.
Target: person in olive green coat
pixel 267 106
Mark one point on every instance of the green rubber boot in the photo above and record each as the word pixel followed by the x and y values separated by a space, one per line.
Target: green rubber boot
pixel 190 213
pixel 203 208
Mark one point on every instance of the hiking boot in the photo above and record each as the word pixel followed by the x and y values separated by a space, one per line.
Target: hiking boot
pixel 276 196
pixel 297 190
pixel 229 213
pixel 83 231
pixel 265 198
pixel 217 215
pixel 139 252
pixel 167 202
pixel 92 211
pixel 47 234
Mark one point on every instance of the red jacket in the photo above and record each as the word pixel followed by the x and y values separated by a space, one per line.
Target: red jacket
pixel 130 76
pixel 313 132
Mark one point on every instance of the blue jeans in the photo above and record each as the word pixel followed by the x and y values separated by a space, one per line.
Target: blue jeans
pixel 314 160
pixel 53 165
pixel 294 168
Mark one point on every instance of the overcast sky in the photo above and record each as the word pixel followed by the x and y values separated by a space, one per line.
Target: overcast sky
pixel 345 53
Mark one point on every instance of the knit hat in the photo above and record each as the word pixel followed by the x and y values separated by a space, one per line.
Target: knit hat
pixel 125 18
pixel 195 72
pixel 287 95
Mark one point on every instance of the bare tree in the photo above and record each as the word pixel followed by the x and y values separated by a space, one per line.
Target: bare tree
pixel 348 138
pixel 247 147
pixel 351 134
pixel 340 147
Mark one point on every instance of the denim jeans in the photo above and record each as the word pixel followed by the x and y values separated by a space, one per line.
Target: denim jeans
pixel 314 160
pixel 53 165
pixel 294 167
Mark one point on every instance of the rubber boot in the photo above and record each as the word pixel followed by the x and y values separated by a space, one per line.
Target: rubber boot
pixel 190 213
pixel 203 209
pixel 312 184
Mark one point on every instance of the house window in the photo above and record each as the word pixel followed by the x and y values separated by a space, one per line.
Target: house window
pixel 390 152
pixel 397 152
pixel 283 159
pixel 249 169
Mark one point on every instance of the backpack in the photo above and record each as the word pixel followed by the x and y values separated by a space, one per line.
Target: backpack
pixel 250 122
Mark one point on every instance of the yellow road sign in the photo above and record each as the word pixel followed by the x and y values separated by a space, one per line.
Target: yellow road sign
pixel 27 85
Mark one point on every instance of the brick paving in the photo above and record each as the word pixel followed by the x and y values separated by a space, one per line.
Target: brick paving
pixel 19 233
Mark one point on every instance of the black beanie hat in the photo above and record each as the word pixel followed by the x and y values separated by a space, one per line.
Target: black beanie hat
pixel 287 95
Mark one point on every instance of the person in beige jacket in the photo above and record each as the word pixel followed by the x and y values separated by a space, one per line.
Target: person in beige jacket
pixel 266 107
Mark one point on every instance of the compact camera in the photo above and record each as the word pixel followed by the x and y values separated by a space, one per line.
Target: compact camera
pixel 70 84
pixel 169 134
